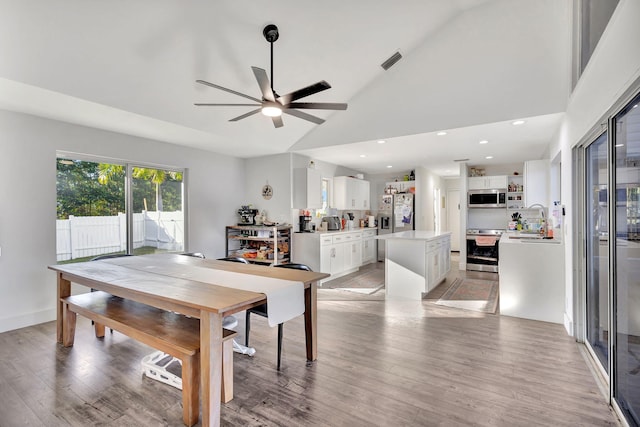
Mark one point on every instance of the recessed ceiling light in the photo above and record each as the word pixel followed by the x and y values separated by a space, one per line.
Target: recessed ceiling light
pixel 489 157
pixel 441 133
pixel 619 145
pixel 518 122
pixel 389 166
pixel 363 155
pixel 484 141
pixel 381 141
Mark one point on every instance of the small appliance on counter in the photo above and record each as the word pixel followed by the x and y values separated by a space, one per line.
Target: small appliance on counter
pixel 306 226
pixel 333 222
pixel 247 215
pixel 348 217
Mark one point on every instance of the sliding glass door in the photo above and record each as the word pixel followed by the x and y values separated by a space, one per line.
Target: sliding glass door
pixel 627 256
pixel 108 208
pixel 597 254
pixel 158 214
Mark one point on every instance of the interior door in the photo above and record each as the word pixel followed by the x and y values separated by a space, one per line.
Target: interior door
pixel 453 218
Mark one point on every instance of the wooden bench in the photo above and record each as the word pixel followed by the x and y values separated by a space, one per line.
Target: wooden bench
pixel 169 332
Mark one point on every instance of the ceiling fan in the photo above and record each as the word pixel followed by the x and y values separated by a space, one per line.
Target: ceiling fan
pixel 272 104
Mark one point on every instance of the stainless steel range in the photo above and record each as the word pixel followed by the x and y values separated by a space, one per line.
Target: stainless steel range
pixel 482 249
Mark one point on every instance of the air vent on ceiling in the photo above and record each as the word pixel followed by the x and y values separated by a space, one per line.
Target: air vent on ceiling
pixel 391 61
pixel 461 160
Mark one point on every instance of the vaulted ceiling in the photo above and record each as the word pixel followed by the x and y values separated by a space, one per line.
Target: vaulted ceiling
pixel 469 67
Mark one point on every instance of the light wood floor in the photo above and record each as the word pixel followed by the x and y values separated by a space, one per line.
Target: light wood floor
pixel 380 363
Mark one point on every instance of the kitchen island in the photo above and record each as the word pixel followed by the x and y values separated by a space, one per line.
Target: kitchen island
pixel 532 283
pixel 415 262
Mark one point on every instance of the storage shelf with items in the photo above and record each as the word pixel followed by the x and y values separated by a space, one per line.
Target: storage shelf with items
pixel 259 244
pixel 515 192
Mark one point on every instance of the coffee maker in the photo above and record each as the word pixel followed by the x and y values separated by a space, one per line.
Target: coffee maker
pixel 247 215
pixel 305 224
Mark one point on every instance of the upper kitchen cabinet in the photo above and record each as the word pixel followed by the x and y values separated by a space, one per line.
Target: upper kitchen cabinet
pixel 536 182
pixel 487 182
pixel 350 193
pixel 307 188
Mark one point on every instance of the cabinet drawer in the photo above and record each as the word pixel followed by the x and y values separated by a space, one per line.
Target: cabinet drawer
pixel 356 236
pixel 434 245
pixel 369 233
pixel 338 239
pixel 326 240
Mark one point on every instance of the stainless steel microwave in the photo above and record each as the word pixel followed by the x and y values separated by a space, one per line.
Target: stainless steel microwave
pixel 487 198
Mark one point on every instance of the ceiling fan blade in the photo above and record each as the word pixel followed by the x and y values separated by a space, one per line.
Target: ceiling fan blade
pixel 317 105
pixel 215 86
pixel 245 115
pixel 263 82
pixel 305 91
pixel 277 121
pixel 199 104
pixel 304 116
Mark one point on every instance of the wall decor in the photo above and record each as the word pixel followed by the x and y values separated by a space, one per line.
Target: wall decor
pixel 267 192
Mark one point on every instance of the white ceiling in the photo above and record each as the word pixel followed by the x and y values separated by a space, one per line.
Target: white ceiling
pixel 470 67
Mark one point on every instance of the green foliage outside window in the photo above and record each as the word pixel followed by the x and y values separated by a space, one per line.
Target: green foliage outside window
pixel 97 189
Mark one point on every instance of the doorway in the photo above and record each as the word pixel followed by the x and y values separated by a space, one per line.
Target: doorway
pixel 453 218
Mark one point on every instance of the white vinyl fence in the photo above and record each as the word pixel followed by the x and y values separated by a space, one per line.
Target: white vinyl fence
pixel 83 236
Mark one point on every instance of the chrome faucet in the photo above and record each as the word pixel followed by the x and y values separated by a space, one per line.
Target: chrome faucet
pixel 538 205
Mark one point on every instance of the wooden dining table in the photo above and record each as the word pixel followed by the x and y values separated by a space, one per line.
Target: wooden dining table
pixel 165 281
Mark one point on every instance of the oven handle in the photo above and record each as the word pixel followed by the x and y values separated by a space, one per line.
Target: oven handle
pixel 482 258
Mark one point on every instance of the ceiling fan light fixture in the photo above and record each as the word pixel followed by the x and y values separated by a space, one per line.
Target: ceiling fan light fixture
pixel 271 110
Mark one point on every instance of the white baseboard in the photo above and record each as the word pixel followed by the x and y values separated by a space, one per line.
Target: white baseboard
pixel 29 319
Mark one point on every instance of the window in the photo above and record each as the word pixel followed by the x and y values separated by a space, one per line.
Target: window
pixel 106 208
pixel 325 199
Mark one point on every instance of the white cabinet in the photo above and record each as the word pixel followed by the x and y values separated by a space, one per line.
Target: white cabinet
pixel 434 262
pixel 369 248
pixel 350 193
pixel 362 194
pixel 336 258
pixel 415 262
pixel 536 182
pixel 487 182
pixel 336 253
pixel 307 188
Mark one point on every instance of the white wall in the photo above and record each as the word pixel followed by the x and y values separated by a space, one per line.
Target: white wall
pixel 613 68
pixel 276 171
pixel 28 148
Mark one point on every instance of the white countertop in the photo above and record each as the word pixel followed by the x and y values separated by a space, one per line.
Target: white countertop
pixel 525 238
pixel 331 232
pixel 414 235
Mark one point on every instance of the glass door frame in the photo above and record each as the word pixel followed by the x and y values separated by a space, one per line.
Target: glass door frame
pixel 607 123
pixel 580 253
pixel 128 187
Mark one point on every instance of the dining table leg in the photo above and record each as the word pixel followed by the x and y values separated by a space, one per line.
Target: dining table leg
pixel 311 321
pixel 64 290
pixel 211 367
